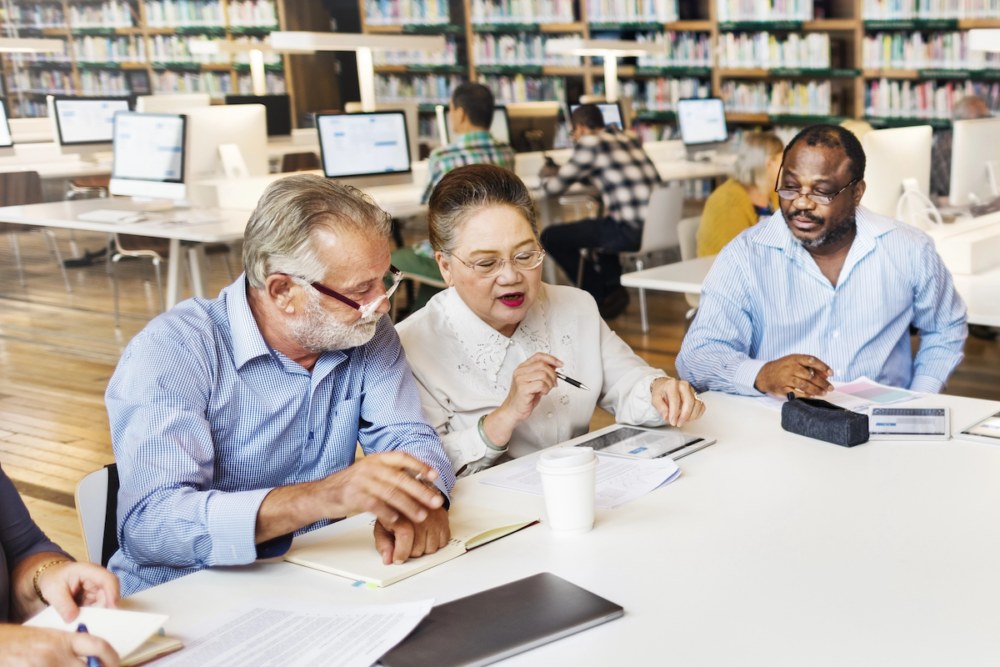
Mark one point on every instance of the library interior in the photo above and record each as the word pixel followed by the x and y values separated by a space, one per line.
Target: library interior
pixel 294 296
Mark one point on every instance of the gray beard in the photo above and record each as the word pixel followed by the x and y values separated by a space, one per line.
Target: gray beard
pixel 317 330
pixel 832 235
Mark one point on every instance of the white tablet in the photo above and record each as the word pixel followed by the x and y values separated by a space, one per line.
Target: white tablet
pixel 986 431
pixel 909 423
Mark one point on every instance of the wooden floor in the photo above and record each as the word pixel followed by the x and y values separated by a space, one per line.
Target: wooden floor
pixel 58 351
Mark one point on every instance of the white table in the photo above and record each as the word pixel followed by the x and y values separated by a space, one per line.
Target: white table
pixel 980 292
pixel 771 549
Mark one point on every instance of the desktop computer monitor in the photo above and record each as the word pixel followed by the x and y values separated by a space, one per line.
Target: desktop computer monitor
pixel 6 141
pixel 611 111
pixel 702 121
pixel 149 154
pixel 363 144
pixel 279 111
pixel 244 125
pixel 975 161
pixel 896 159
pixel 171 103
pixel 85 125
pixel 533 125
pixel 499 126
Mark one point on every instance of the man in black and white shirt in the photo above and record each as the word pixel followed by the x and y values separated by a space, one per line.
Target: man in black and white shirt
pixel 617 165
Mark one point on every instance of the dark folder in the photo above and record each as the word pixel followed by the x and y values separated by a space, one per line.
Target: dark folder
pixel 500 622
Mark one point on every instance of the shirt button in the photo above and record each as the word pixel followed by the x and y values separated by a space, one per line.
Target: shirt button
pixel 836 334
pixel 510 343
pixel 310 435
pixel 550 415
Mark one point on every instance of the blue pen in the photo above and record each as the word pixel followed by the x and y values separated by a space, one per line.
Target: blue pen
pixel 92 661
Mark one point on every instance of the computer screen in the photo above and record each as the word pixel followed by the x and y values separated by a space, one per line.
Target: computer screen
pixel 702 121
pixel 975 161
pixel 279 111
pixel 363 144
pixel 500 127
pixel 5 139
pixel 149 147
pixel 892 157
pixel 611 111
pixel 84 120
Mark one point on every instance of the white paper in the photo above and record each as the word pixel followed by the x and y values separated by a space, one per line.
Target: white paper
pixel 857 396
pixel 124 630
pixel 619 480
pixel 295 633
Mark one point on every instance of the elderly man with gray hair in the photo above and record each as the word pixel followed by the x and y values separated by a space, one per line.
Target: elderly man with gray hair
pixel 235 420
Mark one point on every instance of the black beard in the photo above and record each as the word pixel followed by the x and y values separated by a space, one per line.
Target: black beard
pixel 831 235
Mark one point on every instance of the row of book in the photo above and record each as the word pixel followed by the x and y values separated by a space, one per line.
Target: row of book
pixel 418 56
pixel 681 49
pixel 764 10
pixel 274 83
pixel 119 49
pixel 38 15
pixel 406 12
pixel 215 84
pixel 53 82
pixel 108 14
pixel 925 99
pixel 30 58
pixel 631 11
pixel 103 82
pixel 522 11
pixel 766 50
pixel 177 49
pixel 917 50
pixel 27 108
pixel 253 13
pixel 270 57
pixel 809 98
pixel 176 13
pixel 517 49
pixel 420 88
pixel 520 88
pixel 660 94
pixel 930 9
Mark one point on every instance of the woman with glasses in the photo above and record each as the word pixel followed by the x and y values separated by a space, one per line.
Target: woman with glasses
pixel 489 352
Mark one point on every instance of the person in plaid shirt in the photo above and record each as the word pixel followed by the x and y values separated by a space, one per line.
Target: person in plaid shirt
pixel 471 112
pixel 615 163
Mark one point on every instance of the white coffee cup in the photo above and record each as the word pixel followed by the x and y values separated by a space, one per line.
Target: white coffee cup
pixel 569 480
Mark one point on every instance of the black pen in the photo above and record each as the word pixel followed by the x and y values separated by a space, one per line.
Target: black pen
pixel 569 380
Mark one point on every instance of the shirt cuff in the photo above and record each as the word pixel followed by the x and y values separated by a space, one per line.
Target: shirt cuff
pixel 926 384
pixel 644 412
pixel 232 525
pixel 745 377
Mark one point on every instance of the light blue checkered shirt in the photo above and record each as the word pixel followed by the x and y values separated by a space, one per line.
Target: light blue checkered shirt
pixel 766 298
pixel 206 418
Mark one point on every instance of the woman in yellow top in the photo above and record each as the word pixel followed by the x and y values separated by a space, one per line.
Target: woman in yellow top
pixel 746 197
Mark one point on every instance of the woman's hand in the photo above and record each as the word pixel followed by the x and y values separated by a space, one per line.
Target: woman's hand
pixel 36 647
pixel 69 586
pixel 676 401
pixel 530 381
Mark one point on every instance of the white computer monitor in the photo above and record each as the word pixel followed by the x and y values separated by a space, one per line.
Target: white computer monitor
pixel 611 111
pixel 702 121
pixel 363 144
pixel 171 103
pixel 244 125
pixel 6 140
pixel 85 125
pixel 500 127
pixel 149 152
pixel 896 159
pixel 975 161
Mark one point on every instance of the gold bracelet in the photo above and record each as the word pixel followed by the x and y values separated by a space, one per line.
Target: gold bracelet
pixel 38 572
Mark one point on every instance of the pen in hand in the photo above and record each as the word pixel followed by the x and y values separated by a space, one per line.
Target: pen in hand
pixel 569 380
pixel 92 661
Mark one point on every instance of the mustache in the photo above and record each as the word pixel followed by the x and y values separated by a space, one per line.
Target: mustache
pixel 799 213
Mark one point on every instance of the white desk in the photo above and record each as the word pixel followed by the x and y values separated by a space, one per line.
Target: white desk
pixel 63 215
pixel 771 549
pixel 980 292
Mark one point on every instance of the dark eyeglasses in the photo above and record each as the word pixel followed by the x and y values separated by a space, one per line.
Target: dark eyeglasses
pixel 366 308
pixel 790 195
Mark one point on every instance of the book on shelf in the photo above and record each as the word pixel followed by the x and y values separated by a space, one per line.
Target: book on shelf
pixel 902 10
pixel 215 84
pixel 518 49
pixel 39 15
pixel 273 82
pixel 631 11
pixel 661 94
pixel 406 12
pixel 181 13
pixel 119 49
pixel 520 88
pixel 681 49
pixel 522 11
pixel 177 49
pixel 108 14
pixel 804 98
pixel 253 13
pixel 925 99
pixel 418 56
pixel 918 50
pixel 764 10
pixel 103 82
pixel 765 50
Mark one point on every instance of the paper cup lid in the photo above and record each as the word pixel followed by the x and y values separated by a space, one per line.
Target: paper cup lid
pixel 566 457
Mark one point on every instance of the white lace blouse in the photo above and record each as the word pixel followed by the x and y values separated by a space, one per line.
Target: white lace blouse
pixel 463 369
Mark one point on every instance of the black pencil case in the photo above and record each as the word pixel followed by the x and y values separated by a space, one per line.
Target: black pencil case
pixel 824 421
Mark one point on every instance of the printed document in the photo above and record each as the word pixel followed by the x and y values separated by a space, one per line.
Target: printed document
pixel 295 633
pixel 856 396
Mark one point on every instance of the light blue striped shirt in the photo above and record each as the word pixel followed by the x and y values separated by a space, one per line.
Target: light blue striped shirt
pixel 207 418
pixel 766 298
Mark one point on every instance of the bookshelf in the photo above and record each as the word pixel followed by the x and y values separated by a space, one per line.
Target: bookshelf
pixel 141 47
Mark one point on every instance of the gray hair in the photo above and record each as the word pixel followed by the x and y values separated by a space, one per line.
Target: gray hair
pixel 751 158
pixel 279 236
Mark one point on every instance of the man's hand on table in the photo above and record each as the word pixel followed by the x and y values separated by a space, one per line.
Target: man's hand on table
pixel 805 375
pixel 404 539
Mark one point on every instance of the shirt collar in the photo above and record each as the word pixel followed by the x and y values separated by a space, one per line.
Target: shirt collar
pixel 486 346
pixel 477 137
pixel 248 342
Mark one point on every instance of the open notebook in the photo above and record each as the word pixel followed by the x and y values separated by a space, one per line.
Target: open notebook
pixel 352 554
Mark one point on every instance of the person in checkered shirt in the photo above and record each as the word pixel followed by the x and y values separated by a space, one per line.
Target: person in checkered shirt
pixel 616 163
